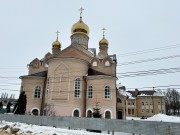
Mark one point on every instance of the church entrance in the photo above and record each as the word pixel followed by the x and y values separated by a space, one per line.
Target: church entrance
pixel 120 115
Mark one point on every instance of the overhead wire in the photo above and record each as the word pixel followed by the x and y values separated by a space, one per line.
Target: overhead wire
pixel 147 60
pixel 149 50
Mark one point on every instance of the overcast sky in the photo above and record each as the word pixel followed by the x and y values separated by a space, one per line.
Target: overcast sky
pixel 150 28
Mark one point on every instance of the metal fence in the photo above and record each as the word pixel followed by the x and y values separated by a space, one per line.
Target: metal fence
pixel 127 126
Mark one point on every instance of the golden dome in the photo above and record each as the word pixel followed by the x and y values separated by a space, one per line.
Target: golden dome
pixel 80 27
pixel 103 41
pixel 56 43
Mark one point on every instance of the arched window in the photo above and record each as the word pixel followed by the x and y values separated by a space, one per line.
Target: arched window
pixel 107 92
pixel 107 114
pixel 94 64
pixel 90 92
pixel 107 63
pixel 119 100
pixel 76 113
pixel 89 113
pixel 37 93
pixel 77 88
pixel 35 112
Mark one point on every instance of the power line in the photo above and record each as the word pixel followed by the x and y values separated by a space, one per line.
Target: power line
pixel 148 60
pixel 150 50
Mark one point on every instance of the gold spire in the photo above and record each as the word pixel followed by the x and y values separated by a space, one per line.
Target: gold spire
pixel 80 26
pixel 103 41
pixel 56 43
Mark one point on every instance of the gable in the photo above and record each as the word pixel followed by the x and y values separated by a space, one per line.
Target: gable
pixel 76 51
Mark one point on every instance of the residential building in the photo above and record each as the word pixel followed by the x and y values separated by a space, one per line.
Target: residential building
pixel 145 103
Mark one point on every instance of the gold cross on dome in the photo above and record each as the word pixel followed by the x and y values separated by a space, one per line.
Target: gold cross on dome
pixel 81 9
pixel 57 34
pixel 104 29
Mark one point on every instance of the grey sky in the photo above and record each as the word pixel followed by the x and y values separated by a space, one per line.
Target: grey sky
pixel 27 30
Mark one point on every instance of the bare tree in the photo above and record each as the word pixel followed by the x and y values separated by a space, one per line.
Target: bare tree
pixel 172 102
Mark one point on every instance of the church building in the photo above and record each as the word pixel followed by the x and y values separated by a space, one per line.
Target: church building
pixel 74 80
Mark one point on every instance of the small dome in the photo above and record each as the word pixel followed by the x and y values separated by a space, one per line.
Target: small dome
pixel 103 41
pixel 56 43
pixel 80 27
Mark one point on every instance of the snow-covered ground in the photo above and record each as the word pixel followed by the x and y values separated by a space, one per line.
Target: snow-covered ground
pixel 25 129
pixel 158 117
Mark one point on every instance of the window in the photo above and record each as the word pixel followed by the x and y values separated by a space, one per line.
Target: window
pixel 47 87
pixel 37 93
pixel 142 110
pixel 35 112
pixel 142 103
pixel 147 110
pixel 146 103
pixel 77 88
pixel 94 64
pixel 90 92
pixel 119 100
pixel 133 111
pixel 159 103
pixel 76 113
pixel 107 92
pixel 129 111
pixel 132 103
pixel 107 63
pixel 89 113
pixel 107 114
pixel 151 103
pixel 151 111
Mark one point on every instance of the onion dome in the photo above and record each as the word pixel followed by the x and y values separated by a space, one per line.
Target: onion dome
pixel 56 43
pixel 103 41
pixel 80 27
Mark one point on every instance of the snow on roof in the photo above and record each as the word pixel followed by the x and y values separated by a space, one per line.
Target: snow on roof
pixel 158 93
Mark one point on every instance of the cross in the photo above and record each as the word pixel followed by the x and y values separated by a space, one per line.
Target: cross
pixel 57 34
pixel 104 29
pixel 81 9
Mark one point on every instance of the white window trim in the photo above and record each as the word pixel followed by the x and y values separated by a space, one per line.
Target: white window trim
pixel 79 88
pixel 107 63
pixel 78 110
pixel 109 111
pixel 37 109
pixel 88 92
pixel 89 109
pixel 40 92
pixel 109 92
pixel 94 63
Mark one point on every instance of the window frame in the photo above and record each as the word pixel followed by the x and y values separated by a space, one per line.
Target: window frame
pixel 37 92
pixel 107 116
pixel 107 63
pixel 77 88
pixel 107 92
pixel 90 92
